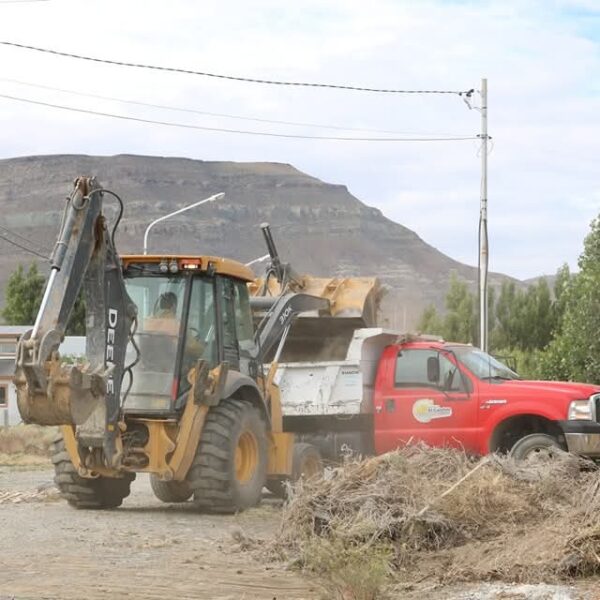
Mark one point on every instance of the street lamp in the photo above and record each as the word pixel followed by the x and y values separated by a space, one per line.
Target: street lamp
pixel 177 212
pixel 257 260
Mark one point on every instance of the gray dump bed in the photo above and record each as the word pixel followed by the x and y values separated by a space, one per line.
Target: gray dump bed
pixel 333 388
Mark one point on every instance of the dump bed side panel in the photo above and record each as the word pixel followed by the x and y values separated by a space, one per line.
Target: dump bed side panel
pixel 330 403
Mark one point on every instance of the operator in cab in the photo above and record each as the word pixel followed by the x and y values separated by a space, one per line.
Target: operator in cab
pixel 166 314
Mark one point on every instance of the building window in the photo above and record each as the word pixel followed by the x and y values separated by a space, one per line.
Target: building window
pixel 8 348
pixel 3 396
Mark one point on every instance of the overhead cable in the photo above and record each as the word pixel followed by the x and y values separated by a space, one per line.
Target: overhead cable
pixel 30 250
pixel 18 235
pixel 206 113
pixel 121 63
pixel 238 131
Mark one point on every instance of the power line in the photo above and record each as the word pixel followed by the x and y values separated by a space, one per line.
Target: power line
pixel 204 113
pixel 238 131
pixel 18 235
pixel 22 247
pixel 233 77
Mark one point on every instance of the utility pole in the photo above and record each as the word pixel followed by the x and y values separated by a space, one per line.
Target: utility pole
pixel 483 231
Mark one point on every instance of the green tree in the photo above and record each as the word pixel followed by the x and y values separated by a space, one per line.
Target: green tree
pixel 431 322
pixel 574 354
pixel 561 285
pixel 23 297
pixel 524 319
pixel 460 321
pixel 459 324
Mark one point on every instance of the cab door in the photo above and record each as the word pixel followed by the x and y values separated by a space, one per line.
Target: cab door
pixel 418 403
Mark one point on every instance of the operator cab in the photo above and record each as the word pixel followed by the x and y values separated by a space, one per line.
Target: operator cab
pixel 188 309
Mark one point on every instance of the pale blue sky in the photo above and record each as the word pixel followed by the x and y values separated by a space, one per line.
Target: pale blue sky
pixel 542 60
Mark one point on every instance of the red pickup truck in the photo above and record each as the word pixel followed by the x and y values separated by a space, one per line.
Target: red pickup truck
pixel 456 395
pixel 388 390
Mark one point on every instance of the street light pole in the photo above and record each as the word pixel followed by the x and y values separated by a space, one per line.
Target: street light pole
pixel 177 212
pixel 257 260
pixel 483 231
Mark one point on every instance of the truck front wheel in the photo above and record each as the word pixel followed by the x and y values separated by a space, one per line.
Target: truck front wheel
pixel 537 446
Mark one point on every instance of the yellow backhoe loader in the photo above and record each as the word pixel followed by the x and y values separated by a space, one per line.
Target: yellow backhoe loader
pixel 181 353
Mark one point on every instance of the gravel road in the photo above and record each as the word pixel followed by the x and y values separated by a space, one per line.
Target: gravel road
pixel 145 549
pixel 149 550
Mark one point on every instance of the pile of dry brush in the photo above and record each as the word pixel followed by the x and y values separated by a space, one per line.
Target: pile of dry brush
pixel 435 513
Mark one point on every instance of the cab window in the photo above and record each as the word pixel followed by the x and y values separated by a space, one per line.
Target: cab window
pixel 411 371
pixel 411 368
pixel 243 316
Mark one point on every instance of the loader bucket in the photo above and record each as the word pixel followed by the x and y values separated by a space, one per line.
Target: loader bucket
pixel 353 304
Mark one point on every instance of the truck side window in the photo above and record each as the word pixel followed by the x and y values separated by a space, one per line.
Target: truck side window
pixel 450 377
pixel 411 368
pixel 411 371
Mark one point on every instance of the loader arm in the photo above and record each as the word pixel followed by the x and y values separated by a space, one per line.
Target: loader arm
pixel 284 273
pixel 85 396
pixel 281 312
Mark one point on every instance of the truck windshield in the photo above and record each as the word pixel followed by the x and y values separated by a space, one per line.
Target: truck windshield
pixel 481 364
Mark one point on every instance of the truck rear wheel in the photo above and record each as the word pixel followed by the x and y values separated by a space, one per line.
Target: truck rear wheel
pixel 81 492
pixel 537 446
pixel 170 491
pixel 306 463
pixel 230 466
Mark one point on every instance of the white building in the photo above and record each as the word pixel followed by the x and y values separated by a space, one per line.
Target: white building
pixel 9 336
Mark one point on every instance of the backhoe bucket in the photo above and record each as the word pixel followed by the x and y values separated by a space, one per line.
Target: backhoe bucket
pixel 353 304
pixel 54 393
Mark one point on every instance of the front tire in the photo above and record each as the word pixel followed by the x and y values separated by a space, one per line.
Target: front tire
pixel 230 466
pixel 537 446
pixel 170 491
pixel 81 492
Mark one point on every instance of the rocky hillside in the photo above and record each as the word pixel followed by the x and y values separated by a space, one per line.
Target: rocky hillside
pixel 320 227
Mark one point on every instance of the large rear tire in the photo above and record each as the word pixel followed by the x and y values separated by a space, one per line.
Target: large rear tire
pixel 230 466
pixel 170 491
pixel 80 492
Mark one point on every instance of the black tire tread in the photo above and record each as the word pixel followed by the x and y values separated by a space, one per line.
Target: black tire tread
pixel 170 491
pixel 209 474
pixel 278 487
pixel 83 493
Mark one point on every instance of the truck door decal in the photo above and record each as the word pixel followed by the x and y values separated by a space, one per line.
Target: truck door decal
pixel 425 410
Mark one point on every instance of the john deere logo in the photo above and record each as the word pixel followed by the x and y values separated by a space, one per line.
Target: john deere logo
pixel 425 410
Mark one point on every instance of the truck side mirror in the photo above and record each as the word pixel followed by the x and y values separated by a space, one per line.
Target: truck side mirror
pixel 433 369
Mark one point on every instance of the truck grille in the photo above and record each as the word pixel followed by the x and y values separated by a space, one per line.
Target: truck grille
pixel 596 400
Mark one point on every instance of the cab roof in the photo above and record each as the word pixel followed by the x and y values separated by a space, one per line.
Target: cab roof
pixel 223 266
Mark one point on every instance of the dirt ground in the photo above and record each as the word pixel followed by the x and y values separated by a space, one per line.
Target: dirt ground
pixel 145 549
pixel 150 550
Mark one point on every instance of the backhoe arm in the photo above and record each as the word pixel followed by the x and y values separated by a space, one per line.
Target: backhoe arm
pixel 51 393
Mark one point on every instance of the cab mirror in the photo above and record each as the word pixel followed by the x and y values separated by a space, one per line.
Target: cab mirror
pixel 433 369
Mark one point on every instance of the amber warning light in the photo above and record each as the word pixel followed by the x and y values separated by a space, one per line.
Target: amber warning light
pixel 190 265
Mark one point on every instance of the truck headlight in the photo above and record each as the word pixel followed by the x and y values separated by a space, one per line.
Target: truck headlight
pixel 580 410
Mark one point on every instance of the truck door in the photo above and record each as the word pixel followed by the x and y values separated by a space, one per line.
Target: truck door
pixel 413 405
